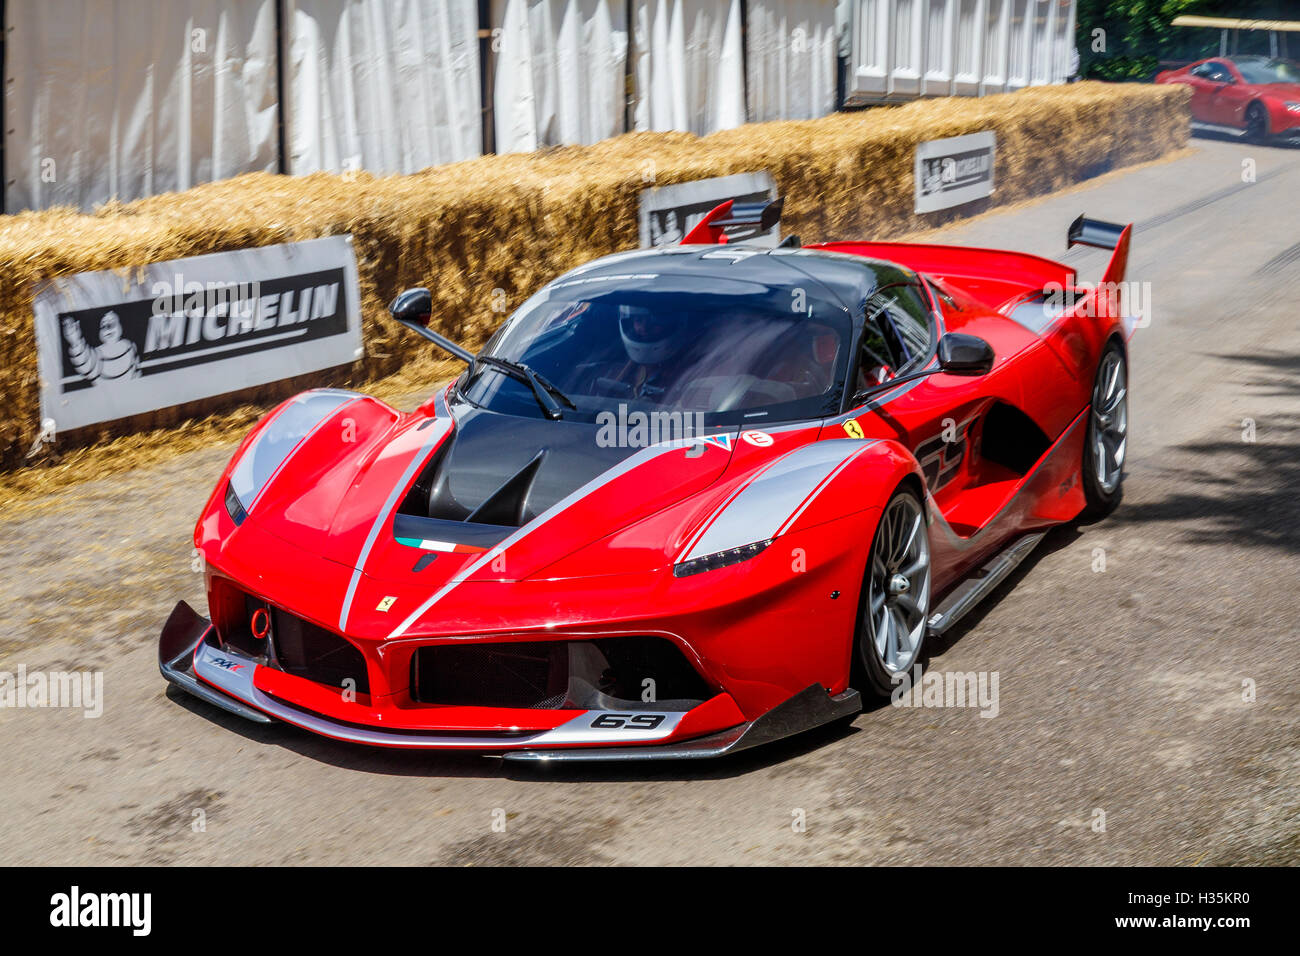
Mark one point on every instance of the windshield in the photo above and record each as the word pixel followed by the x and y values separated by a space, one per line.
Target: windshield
pixel 1256 72
pixel 731 351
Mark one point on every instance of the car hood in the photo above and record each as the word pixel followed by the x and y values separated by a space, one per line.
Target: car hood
pixel 377 491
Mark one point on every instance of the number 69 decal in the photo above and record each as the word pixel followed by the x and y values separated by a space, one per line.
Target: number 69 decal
pixel 630 721
pixel 607 726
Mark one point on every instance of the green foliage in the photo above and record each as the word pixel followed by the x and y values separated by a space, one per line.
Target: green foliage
pixel 1137 40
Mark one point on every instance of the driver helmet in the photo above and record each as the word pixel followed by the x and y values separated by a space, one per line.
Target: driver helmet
pixel 649 337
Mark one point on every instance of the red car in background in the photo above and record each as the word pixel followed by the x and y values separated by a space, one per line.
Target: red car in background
pixel 1257 96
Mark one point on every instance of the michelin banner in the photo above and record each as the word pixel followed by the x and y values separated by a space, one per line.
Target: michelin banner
pixel 950 172
pixel 111 345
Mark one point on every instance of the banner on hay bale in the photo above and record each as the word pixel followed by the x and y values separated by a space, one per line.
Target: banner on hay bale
pixel 111 345
pixel 953 171
pixel 668 213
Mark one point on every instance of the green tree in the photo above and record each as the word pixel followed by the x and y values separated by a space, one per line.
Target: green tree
pixel 1136 39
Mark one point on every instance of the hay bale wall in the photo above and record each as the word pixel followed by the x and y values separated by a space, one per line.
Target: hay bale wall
pixel 485 233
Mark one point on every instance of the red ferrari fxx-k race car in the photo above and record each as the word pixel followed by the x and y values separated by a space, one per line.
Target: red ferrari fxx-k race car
pixel 1254 96
pixel 685 500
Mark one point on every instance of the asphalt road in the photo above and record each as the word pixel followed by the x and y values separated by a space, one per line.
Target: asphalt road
pixel 1121 690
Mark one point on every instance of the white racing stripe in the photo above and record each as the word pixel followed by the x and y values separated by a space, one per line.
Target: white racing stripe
pixel 439 429
pixel 818 490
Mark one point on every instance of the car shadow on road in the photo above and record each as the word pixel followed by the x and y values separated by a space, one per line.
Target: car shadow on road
pixel 1057 539
pixel 1222 137
pixel 337 753
pixel 1241 490
pixel 387 761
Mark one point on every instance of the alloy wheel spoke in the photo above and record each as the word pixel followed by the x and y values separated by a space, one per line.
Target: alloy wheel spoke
pixel 895 534
pixel 902 636
pixel 921 562
pixel 907 604
pixel 911 537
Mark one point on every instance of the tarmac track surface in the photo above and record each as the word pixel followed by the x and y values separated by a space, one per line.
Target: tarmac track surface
pixel 1120 690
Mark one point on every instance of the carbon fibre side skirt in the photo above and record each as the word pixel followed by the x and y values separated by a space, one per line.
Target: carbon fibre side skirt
pixel 974 588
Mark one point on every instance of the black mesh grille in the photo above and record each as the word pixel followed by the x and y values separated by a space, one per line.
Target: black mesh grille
pixel 305 650
pixel 299 647
pixel 557 674
pixel 529 675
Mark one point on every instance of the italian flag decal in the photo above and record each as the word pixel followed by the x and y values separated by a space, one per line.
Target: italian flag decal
pixel 447 547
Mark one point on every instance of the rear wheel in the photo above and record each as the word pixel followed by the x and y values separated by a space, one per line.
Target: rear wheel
pixel 895 595
pixel 1107 446
pixel 1256 123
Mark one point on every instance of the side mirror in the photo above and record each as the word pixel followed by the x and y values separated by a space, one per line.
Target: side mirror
pixel 413 305
pixel 961 354
pixel 414 309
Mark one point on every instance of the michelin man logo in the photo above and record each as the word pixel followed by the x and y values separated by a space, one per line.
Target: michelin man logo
pixel 114 358
pixel 937 172
pixel 669 233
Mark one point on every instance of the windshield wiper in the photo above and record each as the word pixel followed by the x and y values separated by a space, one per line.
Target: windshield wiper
pixel 864 393
pixel 545 393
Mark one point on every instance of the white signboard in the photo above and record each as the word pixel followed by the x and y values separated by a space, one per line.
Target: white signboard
pixel 112 345
pixel 953 171
pixel 668 213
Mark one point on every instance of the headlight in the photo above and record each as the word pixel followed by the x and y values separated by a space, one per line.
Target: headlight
pixel 233 506
pixel 719 559
pixel 275 443
pixel 1293 107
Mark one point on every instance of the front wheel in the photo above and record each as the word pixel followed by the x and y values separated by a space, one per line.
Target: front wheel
pixel 1256 123
pixel 895 595
pixel 1107 446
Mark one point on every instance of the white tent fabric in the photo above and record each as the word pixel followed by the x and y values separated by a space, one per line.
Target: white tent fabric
pixel 688 65
pixel 559 72
pixel 791 57
pixel 101 102
pixel 389 86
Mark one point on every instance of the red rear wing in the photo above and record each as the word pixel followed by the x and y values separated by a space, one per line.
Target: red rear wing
pixel 991 276
pixel 1103 235
pixel 996 276
pixel 732 221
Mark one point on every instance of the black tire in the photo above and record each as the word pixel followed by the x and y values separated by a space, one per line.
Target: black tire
pixel 900 549
pixel 1256 123
pixel 1107 438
